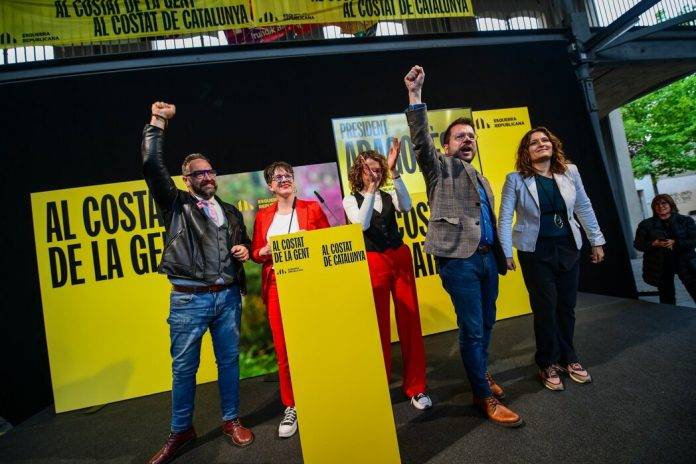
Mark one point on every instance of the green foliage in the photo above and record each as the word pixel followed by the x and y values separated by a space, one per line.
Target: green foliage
pixel 661 130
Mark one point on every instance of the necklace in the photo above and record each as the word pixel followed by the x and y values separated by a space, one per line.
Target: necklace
pixel 557 219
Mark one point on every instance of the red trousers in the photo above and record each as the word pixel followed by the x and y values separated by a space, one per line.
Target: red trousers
pixel 276 323
pixel 391 272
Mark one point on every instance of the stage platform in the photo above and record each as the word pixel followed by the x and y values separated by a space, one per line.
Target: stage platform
pixel 640 409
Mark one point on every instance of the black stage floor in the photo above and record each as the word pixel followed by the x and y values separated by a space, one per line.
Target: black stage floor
pixel 640 408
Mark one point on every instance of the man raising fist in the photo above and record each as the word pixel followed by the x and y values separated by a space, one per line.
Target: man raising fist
pixel 462 237
pixel 206 244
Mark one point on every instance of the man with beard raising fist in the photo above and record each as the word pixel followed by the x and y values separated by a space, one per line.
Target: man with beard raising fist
pixel 206 244
pixel 462 237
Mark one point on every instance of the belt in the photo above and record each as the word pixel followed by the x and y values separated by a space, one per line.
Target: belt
pixel 202 289
pixel 483 249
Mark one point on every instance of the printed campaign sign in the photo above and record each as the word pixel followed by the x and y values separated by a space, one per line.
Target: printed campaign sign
pixel 333 344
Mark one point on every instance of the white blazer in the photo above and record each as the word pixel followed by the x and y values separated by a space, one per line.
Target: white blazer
pixel 520 196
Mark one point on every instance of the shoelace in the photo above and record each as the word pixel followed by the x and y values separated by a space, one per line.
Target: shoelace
pixel 576 367
pixel 551 372
pixel 290 417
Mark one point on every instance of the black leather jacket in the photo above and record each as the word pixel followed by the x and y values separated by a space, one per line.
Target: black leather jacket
pixel 184 222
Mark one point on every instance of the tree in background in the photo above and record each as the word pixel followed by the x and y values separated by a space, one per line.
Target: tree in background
pixel 661 131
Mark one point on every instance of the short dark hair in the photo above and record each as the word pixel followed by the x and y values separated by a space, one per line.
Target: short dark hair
pixel 270 169
pixel 189 158
pixel 456 122
pixel 663 197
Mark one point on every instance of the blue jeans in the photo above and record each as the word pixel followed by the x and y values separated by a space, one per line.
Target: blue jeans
pixel 190 315
pixel 472 283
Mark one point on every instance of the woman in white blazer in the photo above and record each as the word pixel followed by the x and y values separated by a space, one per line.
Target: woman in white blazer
pixel 546 193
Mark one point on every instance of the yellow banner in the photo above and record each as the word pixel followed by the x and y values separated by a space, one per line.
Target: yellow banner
pixel 333 344
pixel 72 22
pixel 332 11
pixel 499 132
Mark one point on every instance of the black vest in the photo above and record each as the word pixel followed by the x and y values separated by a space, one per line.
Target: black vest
pixel 383 232
pixel 216 248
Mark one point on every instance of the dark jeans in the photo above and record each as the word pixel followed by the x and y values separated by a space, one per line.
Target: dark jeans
pixel 551 274
pixel 472 283
pixel 190 316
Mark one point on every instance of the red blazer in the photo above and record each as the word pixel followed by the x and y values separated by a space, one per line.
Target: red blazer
pixel 310 216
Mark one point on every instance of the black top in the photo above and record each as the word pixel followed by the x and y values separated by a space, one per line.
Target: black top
pixel 553 221
pixel 383 232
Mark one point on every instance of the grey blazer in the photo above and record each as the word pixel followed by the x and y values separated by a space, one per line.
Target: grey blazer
pixel 520 196
pixel 455 209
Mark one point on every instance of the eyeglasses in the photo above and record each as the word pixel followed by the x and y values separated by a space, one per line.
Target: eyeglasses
pixel 281 177
pixel 465 135
pixel 201 174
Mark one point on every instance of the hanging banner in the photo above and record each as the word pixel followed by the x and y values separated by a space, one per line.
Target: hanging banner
pixel 331 11
pixel 75 22
pixel 104 304
pixel 329 321
pixel 499 131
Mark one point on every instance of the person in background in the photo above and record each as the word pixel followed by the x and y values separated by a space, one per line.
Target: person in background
pixel 545 192
pixel 390 263
pixel 287 215
pixel 667 240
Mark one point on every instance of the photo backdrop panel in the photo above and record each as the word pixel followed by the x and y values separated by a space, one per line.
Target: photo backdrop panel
pixel 105 306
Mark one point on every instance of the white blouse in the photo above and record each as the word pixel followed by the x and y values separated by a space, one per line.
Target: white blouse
pixel 281 225
pixel 363 215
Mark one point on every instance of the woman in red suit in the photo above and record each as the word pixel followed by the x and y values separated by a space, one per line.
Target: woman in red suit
pixel 289 214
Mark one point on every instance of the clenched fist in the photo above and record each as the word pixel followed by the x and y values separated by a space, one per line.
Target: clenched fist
pixel 414 84
pixel 166 110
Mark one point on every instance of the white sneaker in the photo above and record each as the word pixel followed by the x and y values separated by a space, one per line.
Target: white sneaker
pixel 421 401
pixel 288 426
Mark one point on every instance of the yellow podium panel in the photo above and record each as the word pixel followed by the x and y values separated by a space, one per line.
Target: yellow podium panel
pixel 333 347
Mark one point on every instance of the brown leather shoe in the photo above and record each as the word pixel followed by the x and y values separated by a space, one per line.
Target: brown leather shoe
pixel 497 413
pixel 239 435
pixel 496 389
pixel 174 445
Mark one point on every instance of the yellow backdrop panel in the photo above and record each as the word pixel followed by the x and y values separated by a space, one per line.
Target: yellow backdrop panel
pixel 333 346
pixel 499 133
pixel 96 247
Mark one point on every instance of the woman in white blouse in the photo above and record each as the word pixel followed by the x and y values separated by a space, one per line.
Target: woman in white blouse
pixel 390 262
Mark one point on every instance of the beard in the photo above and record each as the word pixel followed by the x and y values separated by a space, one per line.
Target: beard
pixel 205 189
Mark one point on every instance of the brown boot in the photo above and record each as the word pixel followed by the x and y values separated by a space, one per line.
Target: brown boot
pixel 239 435
pixel 496 389
pixel 497 413
pixel 174 445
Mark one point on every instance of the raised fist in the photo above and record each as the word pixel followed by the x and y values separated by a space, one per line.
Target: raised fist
pixel 414 79
pixel 166 110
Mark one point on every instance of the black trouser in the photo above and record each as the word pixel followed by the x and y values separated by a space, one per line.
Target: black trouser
pixel 666 287
pixel 551 275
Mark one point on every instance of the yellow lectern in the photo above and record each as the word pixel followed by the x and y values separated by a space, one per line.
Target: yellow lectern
pixel 333 347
